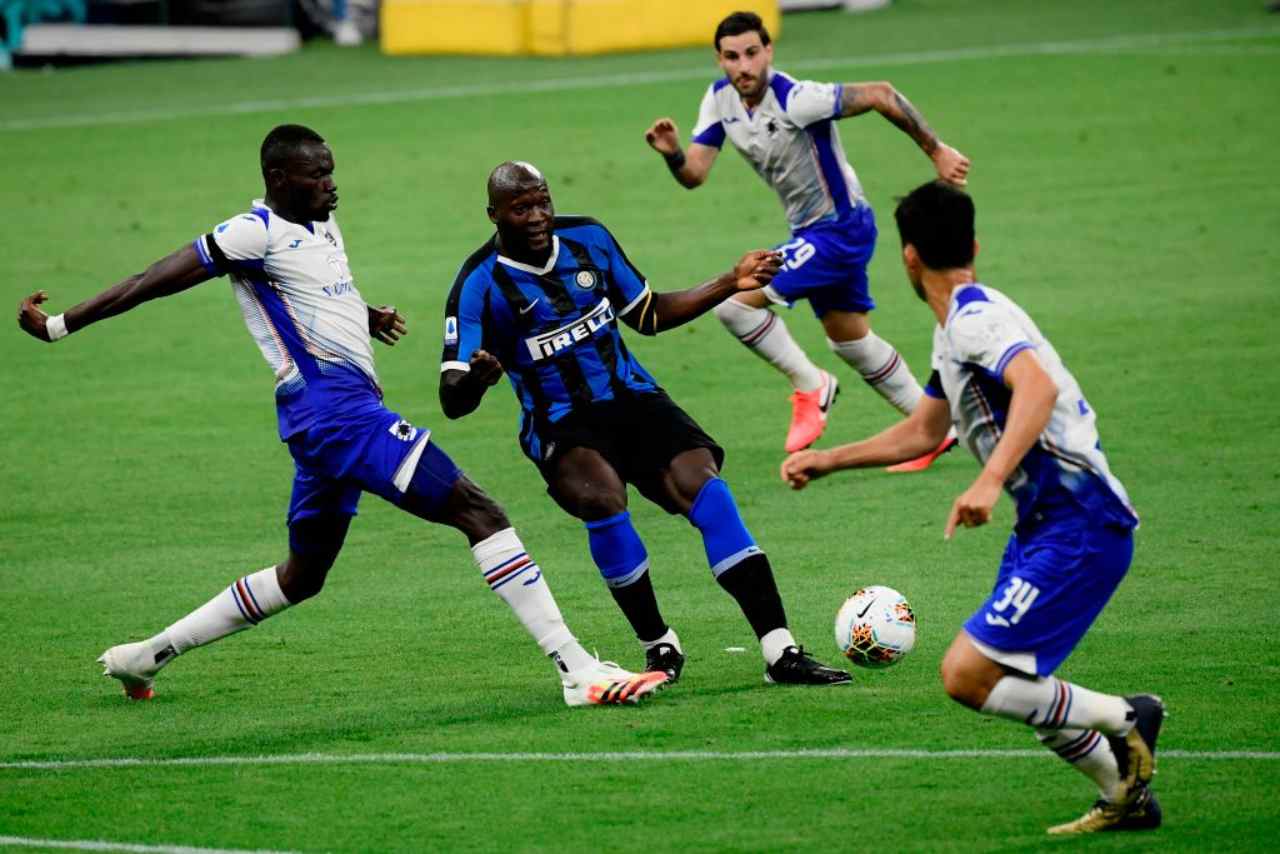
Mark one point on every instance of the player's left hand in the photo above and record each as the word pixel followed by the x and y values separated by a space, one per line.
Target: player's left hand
pixel 952 166
pixel 756 269
pixel 32 318
pixel 802 467
pixel 974 506
pixel 386 324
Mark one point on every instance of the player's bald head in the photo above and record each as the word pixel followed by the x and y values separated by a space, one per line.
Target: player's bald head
pixel 512 178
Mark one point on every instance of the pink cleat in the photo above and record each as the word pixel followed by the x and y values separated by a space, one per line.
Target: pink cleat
pixel 809 413
pixel 922 463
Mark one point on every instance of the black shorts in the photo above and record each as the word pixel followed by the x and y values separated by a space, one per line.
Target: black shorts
pixel 639 435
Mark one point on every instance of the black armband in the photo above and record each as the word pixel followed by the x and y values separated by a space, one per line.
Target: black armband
pixel 675 161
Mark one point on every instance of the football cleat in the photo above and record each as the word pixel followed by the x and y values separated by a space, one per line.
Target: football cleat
pixel 796 667
pixel 809 413
pixel 135 665
pixel 606 684
pixel 1143 814
pixel 1136 752
pixel 922 463
pixel 665 658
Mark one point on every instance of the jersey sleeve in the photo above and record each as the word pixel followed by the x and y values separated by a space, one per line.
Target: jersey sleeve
pixel 809 102
pixel 985 335
pixel 627 285
pixel 709 130
pixel 464 321
pixel 933 387
pixel 238 245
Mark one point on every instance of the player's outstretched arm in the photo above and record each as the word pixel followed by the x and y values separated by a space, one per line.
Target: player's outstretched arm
pixel 461 391
pixel 660 312
pixel 1030 408
pixel 690 168
pixel 170 275
pixel 858 98
pixel 917 434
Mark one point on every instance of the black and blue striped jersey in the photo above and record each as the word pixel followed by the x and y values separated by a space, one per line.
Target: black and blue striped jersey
pixel 554 328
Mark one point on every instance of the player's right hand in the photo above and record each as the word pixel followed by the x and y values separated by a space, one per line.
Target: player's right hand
pixel 31 318
pixel 802 467
pixel 663 136
pixel 756 269
pixel 952 166
pixel 485 368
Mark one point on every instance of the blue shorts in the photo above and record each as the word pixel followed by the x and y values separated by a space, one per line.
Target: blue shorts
pixel 1054 580
pixel 826 263
pixel 369 450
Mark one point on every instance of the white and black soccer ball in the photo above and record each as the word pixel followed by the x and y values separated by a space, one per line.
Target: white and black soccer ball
pixel 875 627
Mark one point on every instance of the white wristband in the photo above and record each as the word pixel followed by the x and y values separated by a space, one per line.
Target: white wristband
pixel 56 326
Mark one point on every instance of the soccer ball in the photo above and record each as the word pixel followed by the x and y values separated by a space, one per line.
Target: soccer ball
pixel 875 627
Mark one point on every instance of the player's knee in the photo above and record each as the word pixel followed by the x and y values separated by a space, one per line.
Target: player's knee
pixel 961 684
pixel 475 513
pixel 303 576
pixel 594 501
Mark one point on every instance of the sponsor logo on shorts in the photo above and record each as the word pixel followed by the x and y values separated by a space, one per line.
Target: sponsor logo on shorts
pixel 550 343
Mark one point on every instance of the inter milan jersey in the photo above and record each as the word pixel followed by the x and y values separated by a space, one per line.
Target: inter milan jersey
pixel 790 139
pixel 554 327
pixel 1066 467
pixel 302 308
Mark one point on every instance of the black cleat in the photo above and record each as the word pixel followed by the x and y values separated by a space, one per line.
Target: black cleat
pixel 795 667
pixel 1144 814
pixel 665 658
pixel 1136 752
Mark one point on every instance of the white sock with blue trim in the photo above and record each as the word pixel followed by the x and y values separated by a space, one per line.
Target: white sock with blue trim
pixel 765 333
pixel 243 605
pixel 1049 703
pixel 1089 752
pixel 882 368
pixel 512 574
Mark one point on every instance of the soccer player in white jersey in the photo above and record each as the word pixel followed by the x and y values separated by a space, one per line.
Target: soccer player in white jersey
pixel 288 268
pixel 786 130
pixel 1024 416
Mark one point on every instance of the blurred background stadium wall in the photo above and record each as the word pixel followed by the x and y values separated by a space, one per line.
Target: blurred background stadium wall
pixel 555 27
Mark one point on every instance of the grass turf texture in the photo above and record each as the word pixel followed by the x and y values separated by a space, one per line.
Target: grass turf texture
pixel 1126 199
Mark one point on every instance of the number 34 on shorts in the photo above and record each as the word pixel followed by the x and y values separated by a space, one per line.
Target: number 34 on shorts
pixel 796 252
pixel 1018 598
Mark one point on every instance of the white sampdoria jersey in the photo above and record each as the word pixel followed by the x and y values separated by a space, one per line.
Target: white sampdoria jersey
pixel 983 332
pixel 296 293
pixel 790 139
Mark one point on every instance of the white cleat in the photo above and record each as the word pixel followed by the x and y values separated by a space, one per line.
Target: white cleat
pixel 605 683
pixel 135 665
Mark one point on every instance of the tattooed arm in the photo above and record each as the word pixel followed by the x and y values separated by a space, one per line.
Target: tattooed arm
pixel 858 98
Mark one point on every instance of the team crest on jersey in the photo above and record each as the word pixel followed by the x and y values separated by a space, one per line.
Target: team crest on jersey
pixel 403 430
pixel 585 279
pixel 451 330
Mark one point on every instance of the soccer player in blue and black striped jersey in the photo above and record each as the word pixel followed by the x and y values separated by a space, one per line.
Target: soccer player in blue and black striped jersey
pixel 542 300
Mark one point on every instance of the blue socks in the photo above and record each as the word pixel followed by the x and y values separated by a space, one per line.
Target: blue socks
pixel 617 550
pixel 724 535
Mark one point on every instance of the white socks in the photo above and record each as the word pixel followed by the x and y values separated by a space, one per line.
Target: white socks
pixel 766 334
pixel 881 368
pixel 774 643
pixel 1050 703
pixel 244 604
pixel 1090 754
pixel 512 574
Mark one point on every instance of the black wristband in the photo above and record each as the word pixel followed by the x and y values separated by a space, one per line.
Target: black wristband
pixel 675 161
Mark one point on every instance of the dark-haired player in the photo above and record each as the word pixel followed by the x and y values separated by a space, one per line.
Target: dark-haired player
pixel 1021 412
pixel 786 130
pixel 542 299
pixel 288 268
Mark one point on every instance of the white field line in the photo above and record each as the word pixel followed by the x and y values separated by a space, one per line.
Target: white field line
pixel 101 845
pixel 1136 41
pixel 618 756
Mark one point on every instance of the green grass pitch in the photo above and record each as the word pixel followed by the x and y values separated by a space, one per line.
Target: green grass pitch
pixel 1124 170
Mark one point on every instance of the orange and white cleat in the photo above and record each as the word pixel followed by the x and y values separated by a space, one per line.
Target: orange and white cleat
pixel 809 413
pixel 606 684
pixel 135 665
pixel 922 463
